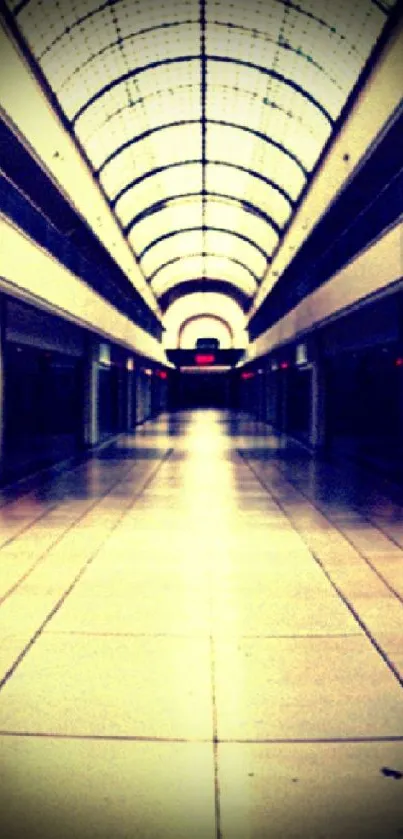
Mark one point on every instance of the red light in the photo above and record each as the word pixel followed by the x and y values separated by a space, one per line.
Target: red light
pixel 247 374
pixel 202 358
pixel 399 362
pixel 162 374
pixel 284 365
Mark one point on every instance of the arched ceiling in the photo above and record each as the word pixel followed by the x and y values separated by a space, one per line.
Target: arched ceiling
pixel 190 287
pixel 209 304
pixel 205 326
pixel 202 120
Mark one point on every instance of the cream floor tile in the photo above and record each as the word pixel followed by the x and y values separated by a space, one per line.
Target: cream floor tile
pixel 89 789
pixel 391 570
pixel 304 687
pixel 10 648
pixel 368 539
pixel 23 612
pixel 310 791
pixel 150 687
pixel 148 570
pixel 380 614
pixel 358 579
pixel 147 610
pixel 266 612
pixel 289 574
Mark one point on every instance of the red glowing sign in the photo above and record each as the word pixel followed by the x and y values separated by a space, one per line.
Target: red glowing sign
pixel 247 374
pixel 204 358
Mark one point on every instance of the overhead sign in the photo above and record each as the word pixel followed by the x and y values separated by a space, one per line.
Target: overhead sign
pixel 204 358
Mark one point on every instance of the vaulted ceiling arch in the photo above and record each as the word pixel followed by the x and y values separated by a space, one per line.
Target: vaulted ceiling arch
pixel 202 122
pixel 204 319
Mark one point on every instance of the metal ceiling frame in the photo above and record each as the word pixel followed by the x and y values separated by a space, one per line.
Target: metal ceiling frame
pixel 205 59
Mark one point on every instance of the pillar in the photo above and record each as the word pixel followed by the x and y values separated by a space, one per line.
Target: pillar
pixel 130 390
pixel 318 419
pixel 3 305
pixel 91 425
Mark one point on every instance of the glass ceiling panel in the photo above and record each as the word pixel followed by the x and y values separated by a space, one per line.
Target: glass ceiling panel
pixel 105 130
pixel 282 114
pixel 242 147
pixel 173 145
pixel 280 65
pixel 180 244
pixel 227 105
pixel 244 223
pixel 222 243
pixel 214 267
pixel 247 187
pixel 151 190
pixel 179 215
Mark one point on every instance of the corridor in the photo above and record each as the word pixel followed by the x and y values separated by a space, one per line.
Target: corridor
pixel 201 638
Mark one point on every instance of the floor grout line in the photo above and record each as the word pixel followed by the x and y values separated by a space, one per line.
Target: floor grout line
pixel 338 591
pixel 226 741
pixel 73 584
pixel 317 506
pixel 204 635
pixel 58 539
pixel 217 797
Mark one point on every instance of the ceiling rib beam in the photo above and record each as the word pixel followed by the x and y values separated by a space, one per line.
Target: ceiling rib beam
pixel 182 230
pixel 159 206
pixel 194 286
pixel 182 122
pixel 208 254
pixel 153 65
pixel 158 170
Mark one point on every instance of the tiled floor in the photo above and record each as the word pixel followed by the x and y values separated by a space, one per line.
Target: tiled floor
pixel 202 638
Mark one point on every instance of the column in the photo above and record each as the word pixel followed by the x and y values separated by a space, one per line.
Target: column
pixel 91 425
pixel 130 386
pixel 3 312
pixel 318 420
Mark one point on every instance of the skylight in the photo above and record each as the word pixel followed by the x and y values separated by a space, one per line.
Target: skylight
pixel 202 120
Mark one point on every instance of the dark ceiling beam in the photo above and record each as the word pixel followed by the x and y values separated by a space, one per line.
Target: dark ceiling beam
pixel 210 285
pixel 208 253
pixel 151 173
pixel 153 65
pixel 259 135
pixel 224 230
pixel 158 206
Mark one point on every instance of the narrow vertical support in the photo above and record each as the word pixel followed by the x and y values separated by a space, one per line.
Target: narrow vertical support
pixel 284 387
pixel 140 395
pixel 270 411
pixel 399 373
pixel 317 430
pixel 130 391
pixel 3 314
pixel 91 423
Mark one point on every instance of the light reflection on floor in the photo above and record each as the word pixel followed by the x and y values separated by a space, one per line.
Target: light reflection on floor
pixel 201 635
